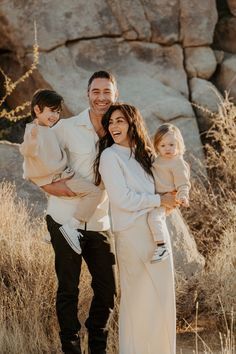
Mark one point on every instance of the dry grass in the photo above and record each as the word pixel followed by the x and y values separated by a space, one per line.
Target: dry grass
pixel 28 322
pixel 212 216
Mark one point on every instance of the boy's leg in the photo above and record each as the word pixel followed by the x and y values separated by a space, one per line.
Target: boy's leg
pixel 67 267
pixel 97 254
pixel 93 196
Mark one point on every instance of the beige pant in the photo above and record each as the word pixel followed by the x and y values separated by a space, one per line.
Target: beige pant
pixel 89 202
pixel 147 309
pixel 157 222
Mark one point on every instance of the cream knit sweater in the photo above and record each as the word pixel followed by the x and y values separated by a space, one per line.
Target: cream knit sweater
pixel 43 157
pixel 172 174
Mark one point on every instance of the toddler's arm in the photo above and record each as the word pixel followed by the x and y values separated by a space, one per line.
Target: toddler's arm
pixel 181 174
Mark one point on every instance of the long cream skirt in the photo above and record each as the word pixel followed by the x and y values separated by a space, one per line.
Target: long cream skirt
pixel 147 318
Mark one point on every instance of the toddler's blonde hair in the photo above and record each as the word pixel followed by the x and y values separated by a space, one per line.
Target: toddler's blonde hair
pixel 169 128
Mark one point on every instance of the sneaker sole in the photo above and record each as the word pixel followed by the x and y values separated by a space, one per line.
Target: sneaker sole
pixel 160 259
pixel 69 241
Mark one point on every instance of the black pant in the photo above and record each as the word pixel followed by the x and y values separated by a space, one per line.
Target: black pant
pixel 96 253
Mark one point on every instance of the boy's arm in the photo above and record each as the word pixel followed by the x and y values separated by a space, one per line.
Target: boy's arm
pixel 30 145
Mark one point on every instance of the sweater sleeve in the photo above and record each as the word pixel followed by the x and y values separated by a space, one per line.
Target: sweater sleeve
pixel 181 174
pixel 30 145
pixel 119 193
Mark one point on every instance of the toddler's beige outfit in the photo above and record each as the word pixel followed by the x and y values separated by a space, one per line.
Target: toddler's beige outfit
pixel 170 174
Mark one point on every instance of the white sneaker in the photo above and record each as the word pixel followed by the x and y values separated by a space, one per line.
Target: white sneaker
pixel 160 253
pixel 72 236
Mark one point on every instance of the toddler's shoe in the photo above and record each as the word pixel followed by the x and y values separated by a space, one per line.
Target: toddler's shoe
pixel 72 236
pixel 160 253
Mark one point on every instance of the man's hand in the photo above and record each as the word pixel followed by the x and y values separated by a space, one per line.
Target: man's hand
pixel 59 189
pixel 168 200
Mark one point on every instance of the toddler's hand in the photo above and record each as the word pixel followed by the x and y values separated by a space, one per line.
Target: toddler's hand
pixel 169 211
pixel 184 201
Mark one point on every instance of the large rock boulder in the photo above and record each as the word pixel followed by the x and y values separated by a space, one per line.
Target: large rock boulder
pixel 225 34
pixel 232 6
pixel 207 98
pixel 197 22
pixel 187 260
pixel 58 24
pixel 200 62
pixel 226 77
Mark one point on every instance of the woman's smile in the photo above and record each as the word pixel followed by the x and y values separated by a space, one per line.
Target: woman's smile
pixel 118 128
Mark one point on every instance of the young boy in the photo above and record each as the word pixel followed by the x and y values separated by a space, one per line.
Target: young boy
pixel 171 173
pixel 46 162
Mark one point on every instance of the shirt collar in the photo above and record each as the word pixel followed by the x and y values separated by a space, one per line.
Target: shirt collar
pixel 84 119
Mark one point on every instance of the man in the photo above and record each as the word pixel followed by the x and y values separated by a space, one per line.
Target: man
pixel 78 136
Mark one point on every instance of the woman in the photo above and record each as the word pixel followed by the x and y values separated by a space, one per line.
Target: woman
pixel 147 308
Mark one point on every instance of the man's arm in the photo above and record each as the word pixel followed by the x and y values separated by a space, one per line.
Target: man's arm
pixel 59 189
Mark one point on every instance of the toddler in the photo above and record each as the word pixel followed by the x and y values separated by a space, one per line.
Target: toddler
pixel 171 173
pixel 46 162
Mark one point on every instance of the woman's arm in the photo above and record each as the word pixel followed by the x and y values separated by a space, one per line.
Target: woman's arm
pixel 120 194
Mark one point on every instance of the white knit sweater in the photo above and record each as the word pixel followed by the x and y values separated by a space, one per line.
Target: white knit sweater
pixel 130 189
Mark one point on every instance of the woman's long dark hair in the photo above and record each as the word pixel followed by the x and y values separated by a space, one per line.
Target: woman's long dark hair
pixel 140 143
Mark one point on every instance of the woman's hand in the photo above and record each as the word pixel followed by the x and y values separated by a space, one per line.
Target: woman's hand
pixel 59 189
pixel 168 200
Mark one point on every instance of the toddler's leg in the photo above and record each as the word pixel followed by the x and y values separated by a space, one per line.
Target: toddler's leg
pixel 156 221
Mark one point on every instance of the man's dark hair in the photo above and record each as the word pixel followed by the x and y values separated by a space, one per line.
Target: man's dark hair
pixel 102 75
pixel 46 98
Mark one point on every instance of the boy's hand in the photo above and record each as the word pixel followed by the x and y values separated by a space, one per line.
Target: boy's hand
pixel 34 130
pixel 184 201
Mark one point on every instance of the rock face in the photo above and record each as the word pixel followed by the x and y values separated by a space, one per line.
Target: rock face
pixel 232 6
pixel 11 170
pixel 207 97
pixel 226 77
pixel 187 259
pixel 225 34
pixel 197 22
pixel 144 43
pixel 200 62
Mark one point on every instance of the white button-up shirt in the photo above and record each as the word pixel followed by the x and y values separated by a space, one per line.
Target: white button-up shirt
pixel 78 137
